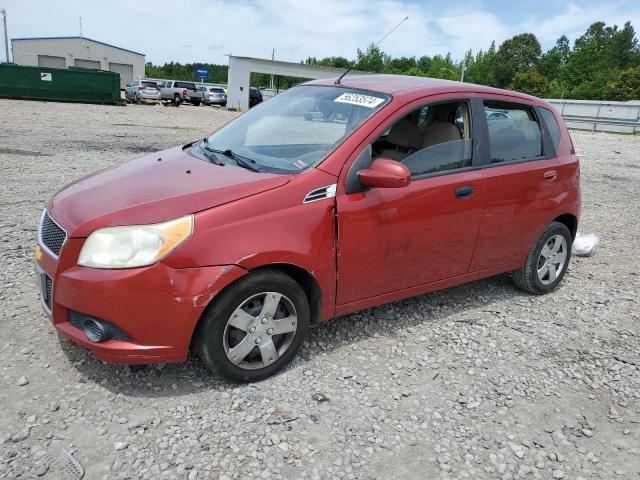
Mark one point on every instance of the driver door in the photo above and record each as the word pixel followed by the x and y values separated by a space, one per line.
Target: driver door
pixel 392 239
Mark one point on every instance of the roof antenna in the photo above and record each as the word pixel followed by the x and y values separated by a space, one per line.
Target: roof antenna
pixel 337 82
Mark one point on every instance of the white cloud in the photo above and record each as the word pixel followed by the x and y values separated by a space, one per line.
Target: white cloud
pixel 473 30
pixel 574 20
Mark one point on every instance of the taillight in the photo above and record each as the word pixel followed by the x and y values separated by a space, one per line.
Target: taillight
pixel 141 87
pixel 157 88
pixel 184 93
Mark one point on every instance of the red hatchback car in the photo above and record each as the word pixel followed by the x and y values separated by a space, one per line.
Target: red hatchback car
pixel 327 199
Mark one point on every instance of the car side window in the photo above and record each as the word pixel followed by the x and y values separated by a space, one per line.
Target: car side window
pixel 552 125
pixel 514 132
pixel 431 139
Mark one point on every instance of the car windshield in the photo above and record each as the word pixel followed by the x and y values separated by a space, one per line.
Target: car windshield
pixel 298 128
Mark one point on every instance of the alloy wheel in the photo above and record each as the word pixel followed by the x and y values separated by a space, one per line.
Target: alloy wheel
pixel 260 330
pixel 552 259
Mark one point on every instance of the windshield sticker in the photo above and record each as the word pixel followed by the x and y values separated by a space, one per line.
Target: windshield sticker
pixel 359 99
pixel 300 164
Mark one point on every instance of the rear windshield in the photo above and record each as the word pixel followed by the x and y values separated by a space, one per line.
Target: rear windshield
pixel 190 86
pixel 216 90
pixel 150 84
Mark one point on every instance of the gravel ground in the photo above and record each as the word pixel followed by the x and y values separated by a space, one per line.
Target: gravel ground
pixel 478 381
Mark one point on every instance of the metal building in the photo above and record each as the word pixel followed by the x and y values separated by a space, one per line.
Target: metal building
pixel 63 52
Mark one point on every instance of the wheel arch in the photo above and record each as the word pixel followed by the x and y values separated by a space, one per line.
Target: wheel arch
pixel 570 221
pixel 303 277
pixel 307 282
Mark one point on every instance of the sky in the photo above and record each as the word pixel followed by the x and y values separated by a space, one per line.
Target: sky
pixel 208 30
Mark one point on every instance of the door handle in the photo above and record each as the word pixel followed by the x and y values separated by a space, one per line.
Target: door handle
pixel 465 192
pixel 550 175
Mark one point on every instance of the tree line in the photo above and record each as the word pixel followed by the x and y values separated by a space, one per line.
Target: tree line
pixel 602 64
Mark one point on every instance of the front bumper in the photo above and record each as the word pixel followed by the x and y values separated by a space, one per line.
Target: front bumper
pixel 157 307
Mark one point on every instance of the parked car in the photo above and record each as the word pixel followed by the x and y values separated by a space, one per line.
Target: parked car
pixel 237 243
pixel 213 95
pixel 142 90
pixel 255 97
pixel 495 115
pixel 178 92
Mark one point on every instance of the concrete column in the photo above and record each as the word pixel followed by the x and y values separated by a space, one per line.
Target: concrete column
pixel 239 83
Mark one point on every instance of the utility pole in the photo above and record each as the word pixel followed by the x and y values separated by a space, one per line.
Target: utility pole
pixel 3 12
pixel 464 65
pixel 80 20
pixel 273 56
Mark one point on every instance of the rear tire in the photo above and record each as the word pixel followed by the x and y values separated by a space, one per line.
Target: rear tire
pixel 254 328
pixel 546 262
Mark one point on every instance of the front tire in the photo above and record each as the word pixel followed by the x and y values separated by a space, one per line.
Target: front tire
pixel 547 261
pixel 254 328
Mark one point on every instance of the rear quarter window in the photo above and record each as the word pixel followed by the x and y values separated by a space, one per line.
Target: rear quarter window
pixel 552 125
pixel 514 132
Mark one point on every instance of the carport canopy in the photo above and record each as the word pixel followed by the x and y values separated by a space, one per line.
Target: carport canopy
pixel 240 69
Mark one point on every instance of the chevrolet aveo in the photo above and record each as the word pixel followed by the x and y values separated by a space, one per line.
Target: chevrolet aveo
pixel 327 199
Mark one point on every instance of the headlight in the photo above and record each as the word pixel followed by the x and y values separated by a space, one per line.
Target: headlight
pixel 134 246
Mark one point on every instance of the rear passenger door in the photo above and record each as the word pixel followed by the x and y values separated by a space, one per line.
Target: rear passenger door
pixel 521 190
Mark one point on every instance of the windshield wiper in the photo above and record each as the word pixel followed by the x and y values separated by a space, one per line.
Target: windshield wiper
pixel 244 162
pixel 207 149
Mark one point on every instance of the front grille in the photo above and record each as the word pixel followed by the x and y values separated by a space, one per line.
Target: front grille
pixel 52 236
pixel 47 290
pixel 77 320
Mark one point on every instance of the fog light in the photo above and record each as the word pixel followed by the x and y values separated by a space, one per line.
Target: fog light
pixel 96 331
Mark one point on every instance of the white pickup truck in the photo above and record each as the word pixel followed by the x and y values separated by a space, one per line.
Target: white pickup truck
pixel 178 91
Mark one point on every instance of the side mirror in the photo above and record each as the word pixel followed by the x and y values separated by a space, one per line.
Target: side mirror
pixel 385 173
pixel 128 84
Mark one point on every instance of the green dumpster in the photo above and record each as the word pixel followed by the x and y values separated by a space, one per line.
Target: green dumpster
pixel 59 84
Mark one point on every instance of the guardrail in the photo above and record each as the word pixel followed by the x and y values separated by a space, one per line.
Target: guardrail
pixel 600 116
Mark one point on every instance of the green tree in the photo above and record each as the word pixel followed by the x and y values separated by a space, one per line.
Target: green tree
pixel 625 85
pixel 531 82
pixel 552 61
pixel 478 68
pixel 521 52
pixel 400 65
pixel 423 64
pixel 335 62
pixel 372 59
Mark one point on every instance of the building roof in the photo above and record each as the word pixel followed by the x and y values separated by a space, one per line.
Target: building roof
pixel 78 38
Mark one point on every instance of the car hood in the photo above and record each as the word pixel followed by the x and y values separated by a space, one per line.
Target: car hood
pixel 151 189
